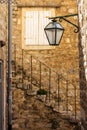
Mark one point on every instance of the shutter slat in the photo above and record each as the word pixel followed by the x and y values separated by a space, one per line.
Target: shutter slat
pixel 35 26
pixel 29 27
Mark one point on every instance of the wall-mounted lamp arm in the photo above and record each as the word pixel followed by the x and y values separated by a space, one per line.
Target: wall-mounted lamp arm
pixel 75 30
pixel 64 18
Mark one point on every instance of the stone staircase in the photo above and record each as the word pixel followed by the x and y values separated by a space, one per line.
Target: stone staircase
pixel 29 113
pixel 31 75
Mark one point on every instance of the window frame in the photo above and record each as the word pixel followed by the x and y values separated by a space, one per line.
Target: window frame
pixel 33 47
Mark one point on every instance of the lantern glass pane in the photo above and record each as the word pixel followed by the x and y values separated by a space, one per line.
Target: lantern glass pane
pixel 51 36
pixel 59 34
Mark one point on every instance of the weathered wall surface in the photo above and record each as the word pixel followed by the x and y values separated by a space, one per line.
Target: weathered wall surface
pixel 82 9
pixel 63 57
pixel 3 19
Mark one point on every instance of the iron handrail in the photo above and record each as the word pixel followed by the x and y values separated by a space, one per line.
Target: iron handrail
pixel 59 79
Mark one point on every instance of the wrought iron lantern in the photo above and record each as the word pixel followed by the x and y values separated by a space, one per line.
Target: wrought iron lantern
pixel 54 32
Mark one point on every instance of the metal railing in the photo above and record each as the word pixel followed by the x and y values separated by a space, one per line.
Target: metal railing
pixel 31 74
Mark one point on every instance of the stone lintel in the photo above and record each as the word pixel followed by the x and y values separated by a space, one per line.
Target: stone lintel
pixel 28 5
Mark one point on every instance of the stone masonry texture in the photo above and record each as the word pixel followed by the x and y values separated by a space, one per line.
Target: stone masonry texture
pixel 64 59
pixel 82 10
pixel 34 114
pixel 68 57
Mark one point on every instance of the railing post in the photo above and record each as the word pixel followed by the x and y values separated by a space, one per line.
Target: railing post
pixel 22 66
pixel 15 57
pixel 75 101
pixel 67 96
pixel 40 75
pixel 58 91
pixel 49 82
pixel 31 72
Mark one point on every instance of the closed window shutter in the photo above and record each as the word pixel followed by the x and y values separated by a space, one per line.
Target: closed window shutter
pixel 43 21
pixel 28 24
pixel 35 21
pixel 31 35
pixel 46 21
pixel 35 28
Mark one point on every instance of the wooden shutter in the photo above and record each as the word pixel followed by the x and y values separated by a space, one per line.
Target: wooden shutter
pixel 43 20
pixel 46 21
pixel 31 34
pixel 35 21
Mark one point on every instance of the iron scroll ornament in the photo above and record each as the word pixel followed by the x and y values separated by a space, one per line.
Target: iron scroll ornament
pixel 60 18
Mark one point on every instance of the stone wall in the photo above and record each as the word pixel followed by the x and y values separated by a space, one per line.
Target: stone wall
pixel 82 9
pixel 3 56
pixel 63 58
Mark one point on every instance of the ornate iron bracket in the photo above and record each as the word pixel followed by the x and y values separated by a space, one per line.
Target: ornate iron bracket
pixel 64 18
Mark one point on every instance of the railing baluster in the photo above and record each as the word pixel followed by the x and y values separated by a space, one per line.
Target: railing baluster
pixel 67 96
pixel 75 100
pixel 40 75
pixel 22 66
pixel 15 57
pixel 58 91
pixel 49 82
pixel 31 72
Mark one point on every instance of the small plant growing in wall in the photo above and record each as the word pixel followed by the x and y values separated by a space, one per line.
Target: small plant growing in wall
pixel 41 92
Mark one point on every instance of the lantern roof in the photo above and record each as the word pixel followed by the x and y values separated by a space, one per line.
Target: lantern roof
pixel 54 25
